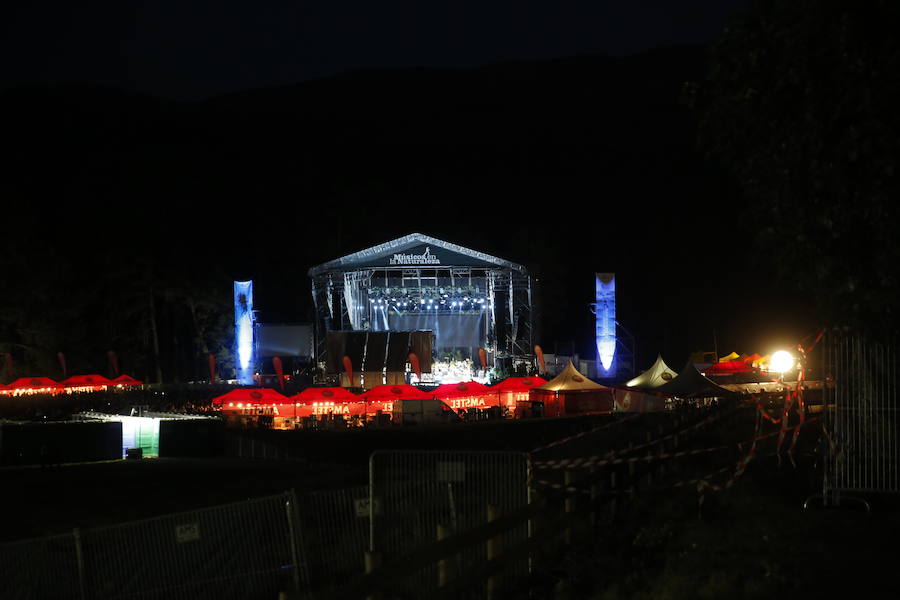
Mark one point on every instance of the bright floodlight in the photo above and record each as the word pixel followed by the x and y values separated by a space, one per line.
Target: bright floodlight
pixel 781 361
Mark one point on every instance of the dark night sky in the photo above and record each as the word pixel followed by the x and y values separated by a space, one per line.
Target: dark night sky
pixel 203 48
pixel 664 245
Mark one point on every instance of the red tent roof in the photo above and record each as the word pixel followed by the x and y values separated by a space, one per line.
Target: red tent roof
pixel 252 396
pixel 349 409
pixel 518 384
pixel 395 392
pixel 126 380
pixel 33 383
pixel 469 388
pixel 728 367
pixel 325 394
pixel 84 380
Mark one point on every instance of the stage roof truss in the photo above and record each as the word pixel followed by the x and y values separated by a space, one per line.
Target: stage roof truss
pixel 350 261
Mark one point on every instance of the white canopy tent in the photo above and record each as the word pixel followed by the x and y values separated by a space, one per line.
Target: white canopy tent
pixel 657 375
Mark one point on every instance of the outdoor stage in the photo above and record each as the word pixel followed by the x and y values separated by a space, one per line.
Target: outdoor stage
pixel 466 299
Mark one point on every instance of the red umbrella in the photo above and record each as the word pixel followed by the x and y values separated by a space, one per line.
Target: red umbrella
pixel 279 370
pixel 348 368
pixel 414 363
pixel 211 360
pixel 540 356
pixel 113 361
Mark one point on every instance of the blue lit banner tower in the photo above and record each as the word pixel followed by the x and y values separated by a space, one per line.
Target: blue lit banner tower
pixel 243 331
pixel 605 312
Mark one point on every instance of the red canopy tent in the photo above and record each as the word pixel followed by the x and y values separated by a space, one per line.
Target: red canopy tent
pixel 382 397
pixel 350 409
pixel 729 368
pixel 328 400
pixel 756 361
pixel 34 385
pixel 301 410
pixel 126 380
pixel 250 396
pixel 87 383
pixel 470 394
pixel 516 389
pixel 325 394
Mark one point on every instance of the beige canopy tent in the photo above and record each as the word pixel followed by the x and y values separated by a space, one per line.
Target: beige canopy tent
pixel 571 393
pixel 658 374
pixel 569 380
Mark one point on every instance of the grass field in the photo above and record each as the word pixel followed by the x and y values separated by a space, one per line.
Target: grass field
pixel 754 540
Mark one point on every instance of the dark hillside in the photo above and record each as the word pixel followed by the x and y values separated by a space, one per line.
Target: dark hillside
pixel 568 166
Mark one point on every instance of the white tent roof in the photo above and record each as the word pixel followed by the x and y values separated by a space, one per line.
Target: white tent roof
pixel 570 379
pixel 657 375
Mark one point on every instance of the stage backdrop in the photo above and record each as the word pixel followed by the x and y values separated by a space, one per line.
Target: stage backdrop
pixel 451 331
pixel 374 351
pixel 284 340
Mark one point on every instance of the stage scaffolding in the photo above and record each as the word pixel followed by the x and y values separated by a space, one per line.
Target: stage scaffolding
pixel 469 299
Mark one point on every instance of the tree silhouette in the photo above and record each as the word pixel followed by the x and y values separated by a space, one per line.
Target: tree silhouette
pixel 800 105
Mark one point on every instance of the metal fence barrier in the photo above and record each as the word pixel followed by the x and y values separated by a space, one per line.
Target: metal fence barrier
pixel 862 415
pixel 335 526
pixel 249 549
pixel 42 568
pixel 418 496
pixel 308 542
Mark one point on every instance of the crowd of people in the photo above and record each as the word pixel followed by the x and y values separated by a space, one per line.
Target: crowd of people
pixel 176 399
